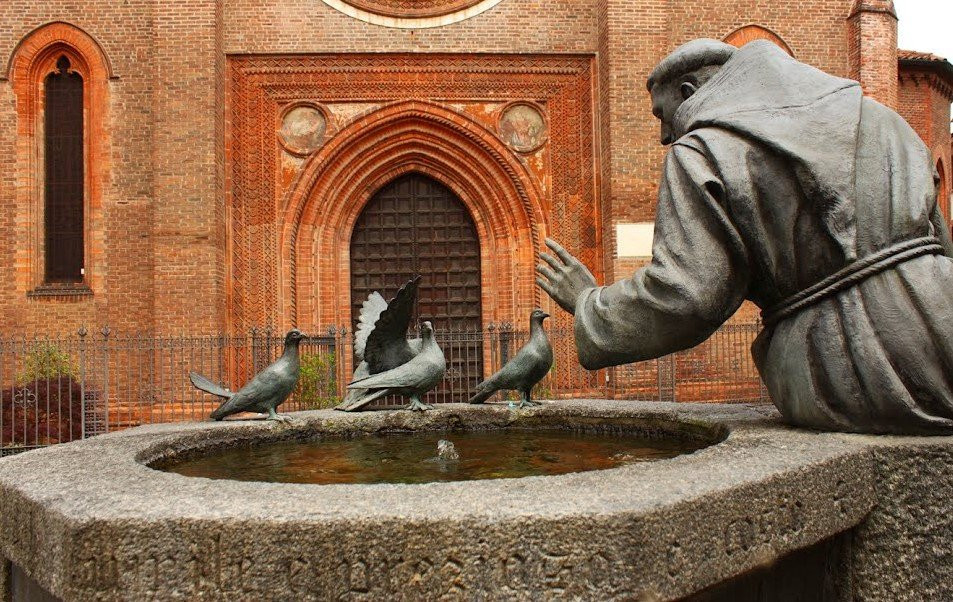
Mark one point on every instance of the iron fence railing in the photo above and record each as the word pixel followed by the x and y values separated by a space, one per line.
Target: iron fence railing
pixel 58 389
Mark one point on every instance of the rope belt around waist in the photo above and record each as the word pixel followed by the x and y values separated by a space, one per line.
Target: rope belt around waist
pixel 852 275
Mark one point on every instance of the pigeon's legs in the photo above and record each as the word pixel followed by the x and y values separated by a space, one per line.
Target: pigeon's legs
pixel 272 415
pixel 525 401
pixel 416 405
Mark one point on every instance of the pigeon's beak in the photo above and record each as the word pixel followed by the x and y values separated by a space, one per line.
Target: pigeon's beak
pixel 545 315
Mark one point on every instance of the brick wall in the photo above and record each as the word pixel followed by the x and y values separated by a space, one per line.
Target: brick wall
pixel 300 26
pixel 166 242
pixel 124 295
pixel 872 35
pixel 189 217
pixel 636 40
pixel 924 101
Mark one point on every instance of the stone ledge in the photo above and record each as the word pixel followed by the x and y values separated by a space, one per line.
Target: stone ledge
pixel 89 519
pixel 48 291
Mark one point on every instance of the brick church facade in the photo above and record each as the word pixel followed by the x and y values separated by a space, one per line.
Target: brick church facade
pixel 229 164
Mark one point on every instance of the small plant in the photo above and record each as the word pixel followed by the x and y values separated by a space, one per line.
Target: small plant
pixel 45 405
pixel 45 361
pixel 317 385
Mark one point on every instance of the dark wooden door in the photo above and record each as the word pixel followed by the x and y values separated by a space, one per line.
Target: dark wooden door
pixel 415 225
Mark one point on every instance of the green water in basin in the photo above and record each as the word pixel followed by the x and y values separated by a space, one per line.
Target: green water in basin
pixel 411 458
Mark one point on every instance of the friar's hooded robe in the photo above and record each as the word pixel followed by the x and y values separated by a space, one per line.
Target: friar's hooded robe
pixel 782 176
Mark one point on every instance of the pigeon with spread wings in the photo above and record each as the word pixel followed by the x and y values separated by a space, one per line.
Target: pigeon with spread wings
pixel 380 341
pixel 412 379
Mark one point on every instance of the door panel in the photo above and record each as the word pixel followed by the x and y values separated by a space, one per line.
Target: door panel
pixel 415 225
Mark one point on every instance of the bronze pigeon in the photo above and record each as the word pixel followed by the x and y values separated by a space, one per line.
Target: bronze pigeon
pixel 528 366
pixel 380 341
pixel 412 379
pixel 263 393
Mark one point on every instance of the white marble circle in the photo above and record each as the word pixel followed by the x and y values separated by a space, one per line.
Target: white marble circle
pixel 411 23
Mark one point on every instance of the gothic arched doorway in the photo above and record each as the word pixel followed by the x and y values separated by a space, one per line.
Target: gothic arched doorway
pixel 416 225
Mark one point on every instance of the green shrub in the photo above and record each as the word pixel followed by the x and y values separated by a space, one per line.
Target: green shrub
pixel 46 404
pixel 45 361
pixel 317 385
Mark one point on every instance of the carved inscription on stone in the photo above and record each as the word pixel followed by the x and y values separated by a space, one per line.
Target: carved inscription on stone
pixel 551 573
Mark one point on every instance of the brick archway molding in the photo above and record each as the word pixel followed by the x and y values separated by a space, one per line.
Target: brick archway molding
pixel 408 136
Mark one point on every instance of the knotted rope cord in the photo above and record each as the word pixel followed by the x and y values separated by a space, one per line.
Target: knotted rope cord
pixel 852 275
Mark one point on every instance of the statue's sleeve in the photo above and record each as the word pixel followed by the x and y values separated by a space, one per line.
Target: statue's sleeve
pixel 697 279
pixel 941 230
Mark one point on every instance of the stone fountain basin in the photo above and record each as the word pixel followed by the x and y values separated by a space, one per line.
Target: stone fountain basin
pixel 91 519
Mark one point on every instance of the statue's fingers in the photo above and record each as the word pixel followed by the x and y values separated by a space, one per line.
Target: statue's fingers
pixel 546 287
pixel 545 272
pixel 552 261
pixel 559 250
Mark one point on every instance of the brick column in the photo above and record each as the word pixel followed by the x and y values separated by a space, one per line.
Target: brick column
pixel 872 27
pixel 189 216
pixel 631 43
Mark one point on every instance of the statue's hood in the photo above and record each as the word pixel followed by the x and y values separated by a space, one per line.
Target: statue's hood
pixel 809 117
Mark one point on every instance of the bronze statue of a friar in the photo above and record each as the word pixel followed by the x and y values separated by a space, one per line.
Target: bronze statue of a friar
pixel 787 187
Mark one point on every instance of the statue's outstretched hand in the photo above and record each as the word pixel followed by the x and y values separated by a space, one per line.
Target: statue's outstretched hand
pixel 565 278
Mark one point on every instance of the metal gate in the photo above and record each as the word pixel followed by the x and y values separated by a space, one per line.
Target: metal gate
pixel 415 225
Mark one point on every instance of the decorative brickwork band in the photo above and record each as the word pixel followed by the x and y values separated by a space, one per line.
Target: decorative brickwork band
pixel 412 8
pixel 291 216
pixel 750 33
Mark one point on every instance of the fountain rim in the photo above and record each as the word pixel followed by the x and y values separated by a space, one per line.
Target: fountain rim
pixel 108 477
pixel 660 427
pixel 82 510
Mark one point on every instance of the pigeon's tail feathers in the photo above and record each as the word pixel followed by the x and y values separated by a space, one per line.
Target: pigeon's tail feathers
pixel 482 396
pixel 371 311
pixel 219 413
pixel 208 386
pixel 361 398
pixel 484 391
pixel 354 395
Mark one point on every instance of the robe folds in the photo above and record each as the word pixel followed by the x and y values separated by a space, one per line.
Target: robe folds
pixel 781 176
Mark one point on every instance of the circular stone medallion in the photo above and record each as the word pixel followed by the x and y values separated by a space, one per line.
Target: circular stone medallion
pixel 412 14
pixel 302 128
pixel 412 9
pixel 523 127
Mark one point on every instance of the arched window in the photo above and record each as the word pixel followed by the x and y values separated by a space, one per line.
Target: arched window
pixel 943 190
pixel 64 181
pixel 750 33
pixel 60 80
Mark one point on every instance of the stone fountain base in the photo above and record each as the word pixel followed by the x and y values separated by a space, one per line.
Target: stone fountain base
pixel 764 510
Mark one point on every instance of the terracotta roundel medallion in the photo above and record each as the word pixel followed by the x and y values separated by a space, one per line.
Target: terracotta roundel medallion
pixel 412 9
pixel 302 127
pixel 522 125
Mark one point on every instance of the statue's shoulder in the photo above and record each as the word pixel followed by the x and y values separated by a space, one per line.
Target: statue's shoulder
pixel 708 140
